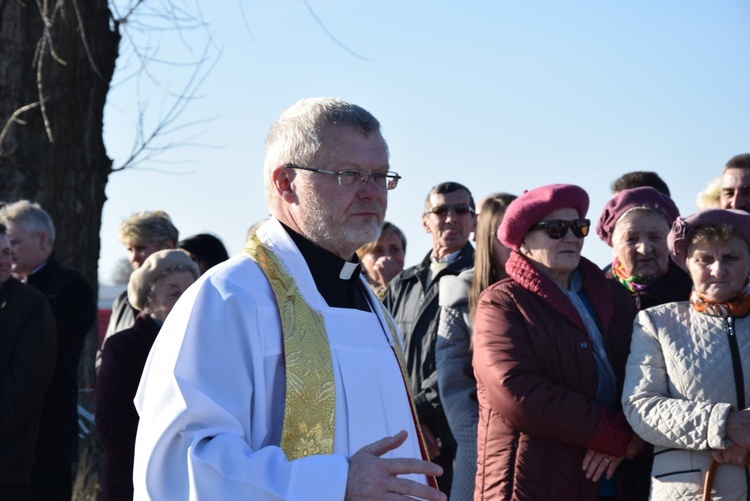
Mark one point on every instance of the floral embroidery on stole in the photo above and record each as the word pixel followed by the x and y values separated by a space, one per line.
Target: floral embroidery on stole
pixel 309 410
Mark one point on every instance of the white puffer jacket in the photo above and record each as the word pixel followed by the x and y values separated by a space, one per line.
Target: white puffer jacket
pixel 680 385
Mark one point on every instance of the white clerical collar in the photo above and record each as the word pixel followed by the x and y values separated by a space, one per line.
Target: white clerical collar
pixel 348 270
pixel 446 259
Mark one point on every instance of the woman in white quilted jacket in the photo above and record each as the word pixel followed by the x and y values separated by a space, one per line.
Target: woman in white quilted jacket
pixel 687 384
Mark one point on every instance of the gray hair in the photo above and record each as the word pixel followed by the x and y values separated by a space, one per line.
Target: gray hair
pixel 297 134
pixel 30 216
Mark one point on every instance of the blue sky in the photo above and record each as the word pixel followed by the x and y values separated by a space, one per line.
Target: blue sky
pixel 499 96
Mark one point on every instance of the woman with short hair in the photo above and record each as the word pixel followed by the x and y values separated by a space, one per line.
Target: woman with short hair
pixel 383 258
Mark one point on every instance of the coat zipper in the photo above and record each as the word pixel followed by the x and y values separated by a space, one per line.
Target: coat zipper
pixel 734 348
pixel 739 377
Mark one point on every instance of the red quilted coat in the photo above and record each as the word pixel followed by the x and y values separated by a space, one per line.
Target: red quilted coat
pixel 536 384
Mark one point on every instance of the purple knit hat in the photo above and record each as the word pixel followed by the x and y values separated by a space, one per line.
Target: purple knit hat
pixel 684 227
pixel 627 199
pixel 534 205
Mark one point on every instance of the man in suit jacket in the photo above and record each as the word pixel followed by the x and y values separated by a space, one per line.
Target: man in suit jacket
pixel 32 235
pixel 27 361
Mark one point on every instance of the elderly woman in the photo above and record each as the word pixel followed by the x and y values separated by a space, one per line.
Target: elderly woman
pixel 550 346
pixel 458 300
pixel 635 223
pixel 383 259
pixel 688 375
pixel 153 289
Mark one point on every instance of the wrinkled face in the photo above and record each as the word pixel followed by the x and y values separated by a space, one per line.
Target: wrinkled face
pixel 735 189
pixel 342 218
pixel 555 257
pixel 167 291
pixel 6 260
pixel 139 251
pixel 450 231
pixel 719 270
pixel 27 249
pixel 388 247
pixel 639 242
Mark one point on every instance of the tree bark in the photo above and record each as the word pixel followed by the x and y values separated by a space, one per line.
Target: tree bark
pixel 57 66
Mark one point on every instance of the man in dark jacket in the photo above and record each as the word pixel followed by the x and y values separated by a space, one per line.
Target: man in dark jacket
pixel 27 361
pixel 32 235
pixel 412 297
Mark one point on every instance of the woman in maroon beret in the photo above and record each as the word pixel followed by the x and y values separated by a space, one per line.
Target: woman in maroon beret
pixel 635 223
pixel 687 385
pixel 550 346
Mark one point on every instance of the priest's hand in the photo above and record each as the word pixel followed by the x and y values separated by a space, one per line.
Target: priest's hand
pixel 374 478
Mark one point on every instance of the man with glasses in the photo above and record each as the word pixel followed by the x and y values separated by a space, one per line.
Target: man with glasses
pixel 412 297
pixel 278 374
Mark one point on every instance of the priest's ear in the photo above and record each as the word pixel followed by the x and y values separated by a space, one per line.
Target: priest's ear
pixel 283 178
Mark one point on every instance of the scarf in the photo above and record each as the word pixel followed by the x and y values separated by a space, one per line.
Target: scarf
pixel 737 307
pixel 631 282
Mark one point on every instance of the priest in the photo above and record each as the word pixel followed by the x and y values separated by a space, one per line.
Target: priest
pixel 279 374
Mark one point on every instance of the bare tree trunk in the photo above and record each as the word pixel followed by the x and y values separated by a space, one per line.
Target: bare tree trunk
pixel 55 71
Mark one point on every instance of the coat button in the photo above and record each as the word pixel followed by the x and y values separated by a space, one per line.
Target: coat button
pixel 584 345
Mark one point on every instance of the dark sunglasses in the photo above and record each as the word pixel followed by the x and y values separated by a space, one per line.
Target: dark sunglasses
pixel 459 210
pixel 557 228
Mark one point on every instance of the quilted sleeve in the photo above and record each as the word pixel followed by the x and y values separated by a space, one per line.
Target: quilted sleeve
pixel 653 413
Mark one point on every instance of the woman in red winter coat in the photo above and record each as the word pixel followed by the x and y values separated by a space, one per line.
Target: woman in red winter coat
pixel 550 346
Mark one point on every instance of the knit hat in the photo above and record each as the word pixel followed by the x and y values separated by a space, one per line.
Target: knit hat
pixel 534 205
pixel 144 277
pixel 684 227
pixel 625 200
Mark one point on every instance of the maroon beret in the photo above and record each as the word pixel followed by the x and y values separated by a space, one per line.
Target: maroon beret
pixel 534 205
pixel 625 200
pixel 684 227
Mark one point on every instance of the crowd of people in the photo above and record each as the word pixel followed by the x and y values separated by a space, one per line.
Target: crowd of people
pixel 312 365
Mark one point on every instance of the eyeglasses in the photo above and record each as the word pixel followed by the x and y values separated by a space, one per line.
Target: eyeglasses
pixel 384 179
pixel 557 228
pixel 459 210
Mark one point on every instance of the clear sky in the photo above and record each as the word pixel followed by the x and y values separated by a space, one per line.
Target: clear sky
pixel 499 96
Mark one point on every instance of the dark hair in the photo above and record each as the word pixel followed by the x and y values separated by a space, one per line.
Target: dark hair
pixel 207 247
pixel 741 161
pixel 3 229
pixel 447 187
pixel 486 270
pixel 640 178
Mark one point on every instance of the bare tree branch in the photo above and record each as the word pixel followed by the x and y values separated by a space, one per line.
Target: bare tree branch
pixel 14 118
pixel 331 36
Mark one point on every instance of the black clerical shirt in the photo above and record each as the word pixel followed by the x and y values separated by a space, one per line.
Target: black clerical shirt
pixel 326 270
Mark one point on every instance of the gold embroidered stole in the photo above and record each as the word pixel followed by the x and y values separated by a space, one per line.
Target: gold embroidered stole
pixel 309 409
